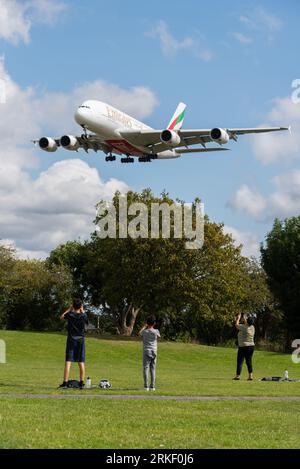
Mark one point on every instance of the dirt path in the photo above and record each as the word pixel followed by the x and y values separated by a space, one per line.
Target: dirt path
pixel 151 397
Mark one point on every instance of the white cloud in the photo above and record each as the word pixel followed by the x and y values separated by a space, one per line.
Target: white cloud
pixel 171 46
pixel 56 207
pixel 283 202
pixel 247 22
pixel 267 20
pixel 261 23
pixel 261 19
pixel 14 26
pixel 67 187
pixel 248 200
pixel 281 146
pixel 242 38
pixel 249 241
pixel 17 120
pixel 45 11
pixel 18 16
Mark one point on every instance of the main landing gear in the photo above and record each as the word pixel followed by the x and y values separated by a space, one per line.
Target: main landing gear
pixel 110 158
pixel 128 159
pixel 145 159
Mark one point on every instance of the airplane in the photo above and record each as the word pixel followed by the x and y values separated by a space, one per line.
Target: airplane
pixel 110 130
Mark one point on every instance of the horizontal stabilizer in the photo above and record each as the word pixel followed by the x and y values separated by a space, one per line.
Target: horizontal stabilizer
pixel 198 150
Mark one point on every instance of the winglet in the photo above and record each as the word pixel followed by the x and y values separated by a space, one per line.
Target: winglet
pixel 178 116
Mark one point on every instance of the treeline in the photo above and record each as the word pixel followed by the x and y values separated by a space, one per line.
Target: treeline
pixel 31 292
pixel 195 293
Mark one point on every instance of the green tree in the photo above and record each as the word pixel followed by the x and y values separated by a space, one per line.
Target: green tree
pixel 281 261
pixel 127 276
pixel 35 295
pixel 7 263
pixel 260 301
pixel 192 290
pixel 220 284
pixel 71 255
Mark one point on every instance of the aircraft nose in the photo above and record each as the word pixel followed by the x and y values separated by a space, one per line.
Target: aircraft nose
pixel 79 118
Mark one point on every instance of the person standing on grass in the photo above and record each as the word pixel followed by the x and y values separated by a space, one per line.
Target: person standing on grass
pixel 75 349
pixel 246 345
pixel 149 335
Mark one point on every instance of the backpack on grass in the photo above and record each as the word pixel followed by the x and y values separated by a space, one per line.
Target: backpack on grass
pixel 73 383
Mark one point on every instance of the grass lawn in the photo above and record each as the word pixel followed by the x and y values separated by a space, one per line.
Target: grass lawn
pixel 35 364
pixel 27 423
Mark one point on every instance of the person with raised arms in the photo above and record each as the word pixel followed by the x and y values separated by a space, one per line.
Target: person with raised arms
pixel 75 348
pixel 246 345
pixel 149 335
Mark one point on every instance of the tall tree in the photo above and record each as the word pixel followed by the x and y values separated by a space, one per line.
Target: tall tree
pixel 35 295
pixel 127 276
pixel 281 261
pixel 7 263
pixel 220 284
pixel 71 255
pixel 202 288
pixel 261 301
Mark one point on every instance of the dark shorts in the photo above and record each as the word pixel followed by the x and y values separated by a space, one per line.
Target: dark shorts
pixel 75 350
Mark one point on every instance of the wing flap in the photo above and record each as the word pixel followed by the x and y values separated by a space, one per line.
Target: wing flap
pixel 257 130
pixel 144 138
pixel 183 151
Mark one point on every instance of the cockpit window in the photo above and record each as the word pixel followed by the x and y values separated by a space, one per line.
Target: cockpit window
pixel 87 107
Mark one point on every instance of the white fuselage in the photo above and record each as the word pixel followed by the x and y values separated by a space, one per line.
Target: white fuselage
pixel 107 121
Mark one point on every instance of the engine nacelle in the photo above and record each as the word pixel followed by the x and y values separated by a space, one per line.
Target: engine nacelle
pixel 48 144
pixel 69 142
pixel 219 136
pixel 170 138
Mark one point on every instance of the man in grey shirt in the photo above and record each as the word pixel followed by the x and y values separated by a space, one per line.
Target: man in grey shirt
pixel 149 335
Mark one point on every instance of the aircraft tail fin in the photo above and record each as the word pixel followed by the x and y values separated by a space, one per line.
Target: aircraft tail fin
pixel 177 119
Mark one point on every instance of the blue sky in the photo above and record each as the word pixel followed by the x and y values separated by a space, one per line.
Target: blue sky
pixel 231 62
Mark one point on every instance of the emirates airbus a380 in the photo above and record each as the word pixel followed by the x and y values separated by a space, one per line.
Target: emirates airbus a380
pixel 107 129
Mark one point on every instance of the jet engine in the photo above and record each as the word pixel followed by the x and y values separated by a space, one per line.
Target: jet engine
pixel 48 144
pixel 170 138
pixel 69 142
pixel 219 136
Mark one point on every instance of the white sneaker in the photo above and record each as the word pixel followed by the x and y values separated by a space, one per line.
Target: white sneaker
pixel 152 389
pixel 146 389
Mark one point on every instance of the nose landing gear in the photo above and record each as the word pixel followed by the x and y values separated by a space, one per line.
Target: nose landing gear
pixel 84 136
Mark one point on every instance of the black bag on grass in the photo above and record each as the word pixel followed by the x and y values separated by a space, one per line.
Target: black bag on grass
pixel 73 383
pixel 272 378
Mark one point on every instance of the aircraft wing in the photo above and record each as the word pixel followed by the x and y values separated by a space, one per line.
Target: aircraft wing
pixel 151 138
pixel 93 142
pixel 87 142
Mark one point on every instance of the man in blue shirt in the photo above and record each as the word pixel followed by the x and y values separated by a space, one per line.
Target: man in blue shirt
pixel 75 349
